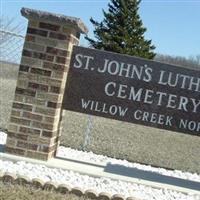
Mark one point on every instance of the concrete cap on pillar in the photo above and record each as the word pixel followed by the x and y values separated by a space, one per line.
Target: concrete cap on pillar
pixel 54 18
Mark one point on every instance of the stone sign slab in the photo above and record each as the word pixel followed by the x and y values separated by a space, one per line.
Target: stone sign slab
pixel 134 90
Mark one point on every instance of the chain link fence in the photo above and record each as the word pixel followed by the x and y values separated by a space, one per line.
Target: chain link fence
pixel 11 40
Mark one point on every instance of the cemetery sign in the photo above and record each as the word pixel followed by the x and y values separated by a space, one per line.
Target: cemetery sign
pixel 134 90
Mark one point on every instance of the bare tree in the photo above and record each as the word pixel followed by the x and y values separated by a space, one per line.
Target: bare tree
pixel 191 62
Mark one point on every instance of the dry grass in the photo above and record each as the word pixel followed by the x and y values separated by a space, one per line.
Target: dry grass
pixel 17 192
pixel 113 138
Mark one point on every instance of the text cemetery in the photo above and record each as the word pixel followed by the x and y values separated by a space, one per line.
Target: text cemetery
pixel 134 90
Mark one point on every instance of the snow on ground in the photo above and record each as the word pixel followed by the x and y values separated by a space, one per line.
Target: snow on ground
pixel 3 137
pixel 85 182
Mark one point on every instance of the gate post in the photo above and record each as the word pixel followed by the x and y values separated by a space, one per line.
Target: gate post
pixel 33 130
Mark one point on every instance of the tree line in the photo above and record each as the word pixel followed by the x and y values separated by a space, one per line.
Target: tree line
pixel 191 62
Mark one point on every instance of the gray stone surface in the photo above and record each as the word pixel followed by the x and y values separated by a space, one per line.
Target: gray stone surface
pixel 54 18
pixel 89 85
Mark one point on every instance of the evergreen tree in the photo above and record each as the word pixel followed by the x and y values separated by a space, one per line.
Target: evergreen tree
pixel 122 30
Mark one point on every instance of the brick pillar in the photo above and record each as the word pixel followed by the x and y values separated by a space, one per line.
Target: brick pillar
pixel 33 130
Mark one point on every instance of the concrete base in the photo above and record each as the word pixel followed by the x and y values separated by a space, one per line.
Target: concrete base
pixel 114 172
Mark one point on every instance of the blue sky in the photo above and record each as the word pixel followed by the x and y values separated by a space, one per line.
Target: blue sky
pixel 173 26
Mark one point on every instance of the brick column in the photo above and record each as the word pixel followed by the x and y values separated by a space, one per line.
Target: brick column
pixel 33 130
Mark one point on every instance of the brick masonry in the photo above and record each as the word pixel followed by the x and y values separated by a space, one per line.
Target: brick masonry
pixel 36 113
